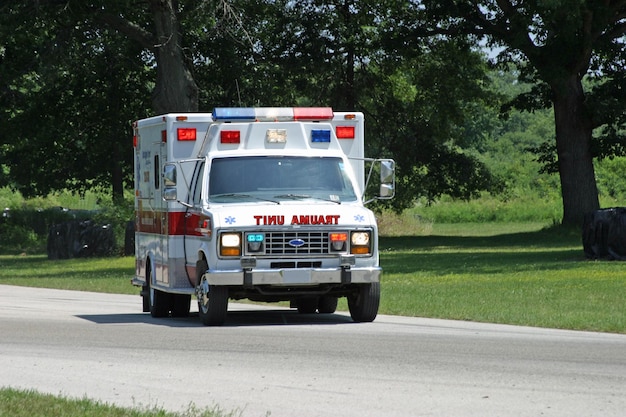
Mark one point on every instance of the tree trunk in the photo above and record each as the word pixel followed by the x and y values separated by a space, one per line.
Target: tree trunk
pixel 573 142
pixel 175 90
pixel 117 177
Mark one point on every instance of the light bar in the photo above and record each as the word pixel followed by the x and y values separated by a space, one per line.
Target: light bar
pixel 313 113
pixel 272 114
pixel 234 113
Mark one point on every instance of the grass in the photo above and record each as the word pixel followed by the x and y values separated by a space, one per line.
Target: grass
pixel 28 403
pixel 518 273
pixel 107 275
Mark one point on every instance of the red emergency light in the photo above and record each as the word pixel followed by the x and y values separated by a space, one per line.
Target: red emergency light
pixel 312 113
pixel 230 136
pixel 186 133
pixel 344 132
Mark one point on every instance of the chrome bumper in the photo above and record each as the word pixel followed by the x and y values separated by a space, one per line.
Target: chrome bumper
pixel 286 277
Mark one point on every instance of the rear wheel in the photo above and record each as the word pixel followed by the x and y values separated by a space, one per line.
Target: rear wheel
pixel 306 305
pixel 159 300
pixel 212 299
pixel 363 304
pixel 181 304
pixel 327 304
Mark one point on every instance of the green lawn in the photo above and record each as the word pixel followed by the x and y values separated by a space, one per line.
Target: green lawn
pixel 500 273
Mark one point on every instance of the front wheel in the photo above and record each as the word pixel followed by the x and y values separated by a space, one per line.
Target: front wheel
pixel 212 299
pixel 363 304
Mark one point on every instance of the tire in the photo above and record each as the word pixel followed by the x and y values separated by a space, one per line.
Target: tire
pixel 327 304
pixel 212 299
pixel 145 297
pixel 181 304
pixel 364 303
pixel 307 305
pixel 159 300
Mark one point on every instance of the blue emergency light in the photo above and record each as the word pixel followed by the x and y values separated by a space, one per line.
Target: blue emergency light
pixel 319 135
pixel 234 113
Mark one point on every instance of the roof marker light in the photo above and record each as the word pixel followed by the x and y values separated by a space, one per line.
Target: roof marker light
pixel 345 132
pixel 318 135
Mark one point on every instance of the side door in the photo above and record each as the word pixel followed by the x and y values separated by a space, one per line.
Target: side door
pixel 160 214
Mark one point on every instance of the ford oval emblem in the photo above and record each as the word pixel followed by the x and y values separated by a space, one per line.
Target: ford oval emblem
pixel 296 243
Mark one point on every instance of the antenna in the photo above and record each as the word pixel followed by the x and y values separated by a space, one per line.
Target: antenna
pixel 238 92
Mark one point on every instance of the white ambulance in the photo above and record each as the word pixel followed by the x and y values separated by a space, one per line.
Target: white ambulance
pixel 265 204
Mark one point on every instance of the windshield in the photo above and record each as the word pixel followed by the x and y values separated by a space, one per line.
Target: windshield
pixel 279 178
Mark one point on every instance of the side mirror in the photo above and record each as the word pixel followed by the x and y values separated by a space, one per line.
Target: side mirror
pixel 169 175
pixel 169 182
pixel 387 179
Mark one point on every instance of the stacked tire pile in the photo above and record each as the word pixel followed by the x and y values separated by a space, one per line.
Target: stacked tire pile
pixel 80 239
pixel 604 234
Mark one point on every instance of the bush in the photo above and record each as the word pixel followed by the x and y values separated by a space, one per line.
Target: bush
pixel 72 233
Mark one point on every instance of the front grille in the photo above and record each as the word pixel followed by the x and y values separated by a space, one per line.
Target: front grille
pixel 302 243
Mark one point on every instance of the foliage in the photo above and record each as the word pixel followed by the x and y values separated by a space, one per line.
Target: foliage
pixel 29 403
pixel 25 223
pixel 246 52
pixel 416 70
pixel 96 83
pixel 553 46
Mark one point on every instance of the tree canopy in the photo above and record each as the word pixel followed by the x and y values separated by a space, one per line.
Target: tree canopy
pixel 556 45
pixel 75 74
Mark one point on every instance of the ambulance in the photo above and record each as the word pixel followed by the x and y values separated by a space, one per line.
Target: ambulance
pixel 265 204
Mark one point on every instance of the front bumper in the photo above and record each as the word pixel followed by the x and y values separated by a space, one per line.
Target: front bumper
pixel 288 277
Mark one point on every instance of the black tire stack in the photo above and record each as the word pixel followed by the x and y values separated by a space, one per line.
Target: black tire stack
pixel 604 234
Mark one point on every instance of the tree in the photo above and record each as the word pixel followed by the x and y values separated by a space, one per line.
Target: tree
pixel 75 75
pixel 68 101
pixel 352 55
pixel 103 58
pixel 555 44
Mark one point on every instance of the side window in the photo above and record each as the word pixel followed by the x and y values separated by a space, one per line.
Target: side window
pixel 197 192
pixel 157 172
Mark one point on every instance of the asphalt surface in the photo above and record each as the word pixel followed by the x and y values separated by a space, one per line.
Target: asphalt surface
pixel 276 362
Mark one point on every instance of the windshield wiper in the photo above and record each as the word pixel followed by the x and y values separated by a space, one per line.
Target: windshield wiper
pixel 305 196
pixel 239 195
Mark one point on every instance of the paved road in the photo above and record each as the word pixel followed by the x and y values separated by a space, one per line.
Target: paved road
pixel 276 362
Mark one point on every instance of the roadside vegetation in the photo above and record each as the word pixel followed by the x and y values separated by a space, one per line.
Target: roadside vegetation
pixel 524 273
pixel 29 403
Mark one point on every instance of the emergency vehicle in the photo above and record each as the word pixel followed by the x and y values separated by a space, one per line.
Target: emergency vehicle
pixel 266 204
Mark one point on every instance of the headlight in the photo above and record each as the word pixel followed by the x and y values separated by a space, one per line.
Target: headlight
pixel 230 244
pixel 360 243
